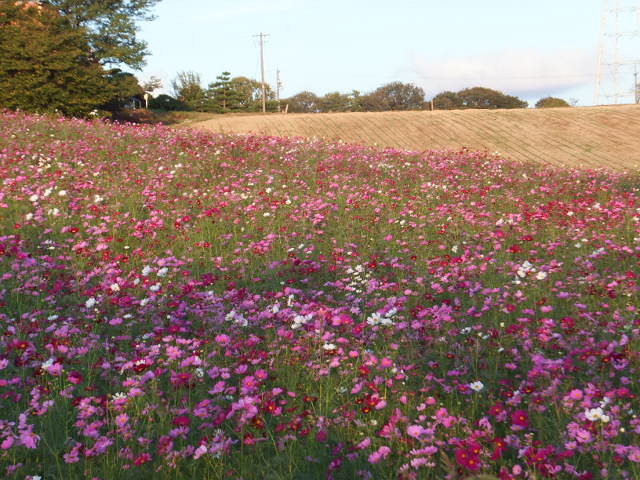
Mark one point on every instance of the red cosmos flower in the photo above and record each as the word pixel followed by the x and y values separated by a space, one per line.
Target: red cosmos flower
pixel 181 379
pixel 19 344
pixel 75 377
pixel 500 447
pixel 496 409
pixel 143 458
pixel 520 418
pixel 466 458
pixel 182 421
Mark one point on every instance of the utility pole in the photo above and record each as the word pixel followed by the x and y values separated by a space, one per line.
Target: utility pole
pixel 635 84
pixel 278 87
pixel 264 88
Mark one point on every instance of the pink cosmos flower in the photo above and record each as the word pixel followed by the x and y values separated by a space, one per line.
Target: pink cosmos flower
pixel 29 439
pixel 415 431
pixel 520 419
pixel 7 443
pixel 380 454
pixel 122 419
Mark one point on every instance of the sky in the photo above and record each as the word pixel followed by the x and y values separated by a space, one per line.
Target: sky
pixel 528 48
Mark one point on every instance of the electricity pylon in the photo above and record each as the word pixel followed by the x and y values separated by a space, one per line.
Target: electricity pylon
pixel 618 52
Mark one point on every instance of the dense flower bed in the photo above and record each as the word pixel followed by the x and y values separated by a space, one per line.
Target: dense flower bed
pixel 183 305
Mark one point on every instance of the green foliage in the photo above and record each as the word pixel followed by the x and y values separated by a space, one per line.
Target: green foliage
pixel 481 97
pixel 394 96
pixel 166 102
pixel 123 86
pixel 110 27
pixel 303 102
pixel 222 96
pixel 45 65
pixel 551 102
pixel 187 89
pixel 154 83
pixel 476 97
pixel 447 101
pixel 250 93
pixel 336 102
pixel 226 94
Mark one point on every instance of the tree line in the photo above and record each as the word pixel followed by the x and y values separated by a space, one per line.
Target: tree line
pixel 406 96
pixel 67 56
pixel 237 94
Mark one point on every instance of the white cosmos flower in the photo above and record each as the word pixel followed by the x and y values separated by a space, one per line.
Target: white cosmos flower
pixel 476 386
pixel 155 288
pixel 115 288
pixel 47 364
pixel 594 414
pixel 90 303
pixel 300 320
pixel 163 272
pixel 374 319
pixel 33 198
pixel 146 270
pixel 329 346
pixel 541 275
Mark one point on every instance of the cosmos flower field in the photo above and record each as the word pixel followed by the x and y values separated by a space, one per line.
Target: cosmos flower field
pixel 182 305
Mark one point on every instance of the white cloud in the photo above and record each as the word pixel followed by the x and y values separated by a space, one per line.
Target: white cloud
pixel 523 73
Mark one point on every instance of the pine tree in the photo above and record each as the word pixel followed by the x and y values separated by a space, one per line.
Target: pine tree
pixel 45 65
pixel 222 95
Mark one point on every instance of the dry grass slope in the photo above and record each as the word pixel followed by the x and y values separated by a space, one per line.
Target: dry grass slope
pixel 584 137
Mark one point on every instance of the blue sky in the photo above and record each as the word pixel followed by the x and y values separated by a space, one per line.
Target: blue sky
pixel 528 48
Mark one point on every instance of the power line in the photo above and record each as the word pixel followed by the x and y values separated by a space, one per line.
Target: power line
pixel 506 77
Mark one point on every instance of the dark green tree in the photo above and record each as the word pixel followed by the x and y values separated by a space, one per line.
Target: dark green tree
pixel 166 102
pixel 125 89
pixel 394 96
pixel 222 96
pixel 45 65
pixel 447 101
pixel 551 102
pixel 110 27
pixel 481 97
pixel 187 89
